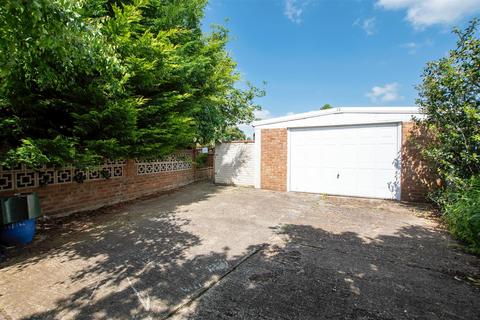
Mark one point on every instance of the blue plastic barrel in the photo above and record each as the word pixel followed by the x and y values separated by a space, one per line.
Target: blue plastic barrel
pixel 21 232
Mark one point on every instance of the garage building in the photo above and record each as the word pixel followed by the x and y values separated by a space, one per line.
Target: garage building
pixel 363 152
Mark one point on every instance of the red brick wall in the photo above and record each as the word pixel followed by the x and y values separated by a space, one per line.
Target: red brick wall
pixel 72 197
pixel 273 169
pixel 204 174
pixel 417 177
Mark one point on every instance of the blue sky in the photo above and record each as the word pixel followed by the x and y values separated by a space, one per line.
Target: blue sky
pixel 346 53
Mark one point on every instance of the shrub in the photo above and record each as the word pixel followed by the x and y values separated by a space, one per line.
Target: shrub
pixel 461 206
pixel 449 98
pixel 201 160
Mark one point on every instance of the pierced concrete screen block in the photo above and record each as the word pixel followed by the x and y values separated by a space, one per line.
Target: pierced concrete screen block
pixel 234 164
pixel 173 162
pixel 22 177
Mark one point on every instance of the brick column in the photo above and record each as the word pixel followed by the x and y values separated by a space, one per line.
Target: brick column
pixel 417 177
pixel 273 167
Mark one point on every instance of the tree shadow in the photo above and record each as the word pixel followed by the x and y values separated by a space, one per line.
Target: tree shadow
pixel 130 262
pixel 419 176
pixel 139 262
pixel 104 228
pixel 317 274
pixel 231 162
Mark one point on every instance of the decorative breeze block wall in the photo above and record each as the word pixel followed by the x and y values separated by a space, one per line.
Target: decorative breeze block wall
pixel 128 179
pixel 173 162
pixel 21 177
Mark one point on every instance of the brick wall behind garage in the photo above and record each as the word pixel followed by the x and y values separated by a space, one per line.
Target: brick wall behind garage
pixel 417 177
pixel 273 169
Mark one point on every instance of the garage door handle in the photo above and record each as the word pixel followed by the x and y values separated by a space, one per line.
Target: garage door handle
pixel 338 175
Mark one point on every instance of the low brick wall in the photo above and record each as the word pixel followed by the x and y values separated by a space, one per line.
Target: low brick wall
pixel 203 174
pixel 133 180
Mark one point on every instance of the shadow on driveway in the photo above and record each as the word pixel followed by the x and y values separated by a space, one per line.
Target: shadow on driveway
pixel 128 262
pixel 201 253
pixel 316 274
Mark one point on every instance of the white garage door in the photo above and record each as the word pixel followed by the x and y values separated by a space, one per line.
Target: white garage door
pixel 349 160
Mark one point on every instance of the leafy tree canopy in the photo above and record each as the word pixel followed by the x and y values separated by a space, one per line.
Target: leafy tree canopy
pixel 85 80
pixel 326 106
pixel 233 134
pixel 450 100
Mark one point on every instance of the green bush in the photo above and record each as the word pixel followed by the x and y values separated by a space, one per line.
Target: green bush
pixel 449 98
pixel 461 204
pixel 201 160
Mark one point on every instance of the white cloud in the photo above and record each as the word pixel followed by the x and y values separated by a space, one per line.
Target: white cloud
pixel 413 47
pixel 387 93
pixel 262 114
pixel 424 13
pixel 368 25
pixel 293 9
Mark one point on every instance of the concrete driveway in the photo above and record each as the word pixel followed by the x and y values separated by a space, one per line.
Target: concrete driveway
pixel 213 252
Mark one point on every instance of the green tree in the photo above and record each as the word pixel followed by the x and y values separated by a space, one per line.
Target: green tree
pixel 450 101
pixel 81 81
pixel 55 69
pixel 232 134
pixel 326 106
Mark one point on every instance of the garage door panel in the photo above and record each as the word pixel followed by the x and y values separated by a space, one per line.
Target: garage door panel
pixel 378 181
pixel 310 182
pixel 350 160
pixel 376 157
pixel 347 182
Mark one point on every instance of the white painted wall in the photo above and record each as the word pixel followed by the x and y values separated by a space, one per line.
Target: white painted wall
pixel 258 157
pixel 235 163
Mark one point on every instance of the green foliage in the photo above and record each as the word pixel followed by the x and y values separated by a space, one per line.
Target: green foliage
pixel 461 206
pixel 450 101
pixel 56 71
pixel 81 81
pixel 232 134
pixel 201 160
pixel 326 106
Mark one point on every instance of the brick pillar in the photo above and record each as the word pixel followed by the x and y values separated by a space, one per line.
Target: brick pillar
pixel 418 177
pixel 273 167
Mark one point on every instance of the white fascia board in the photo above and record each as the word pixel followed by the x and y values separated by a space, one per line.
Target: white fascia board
pixel 312 114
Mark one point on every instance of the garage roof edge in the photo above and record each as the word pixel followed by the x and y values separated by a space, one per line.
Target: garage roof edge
pixel 312 114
